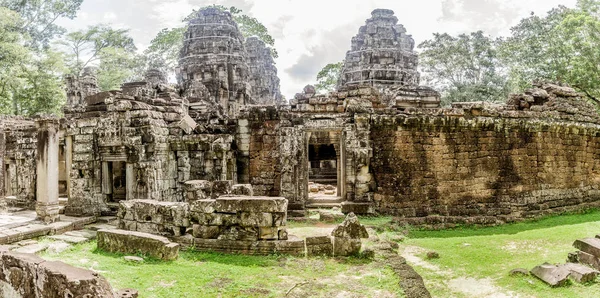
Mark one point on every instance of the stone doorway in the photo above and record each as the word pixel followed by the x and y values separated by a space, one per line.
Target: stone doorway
pixel 114 183
pixel 325 167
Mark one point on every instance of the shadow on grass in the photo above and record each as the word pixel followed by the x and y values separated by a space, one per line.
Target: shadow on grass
pixel 590 215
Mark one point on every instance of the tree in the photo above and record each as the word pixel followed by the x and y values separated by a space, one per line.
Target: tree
pixel 163 52
pixel 39 18
pixel 327 78
pixel 111 49
pixel 561 46
pixel 464 68
pixel 12 53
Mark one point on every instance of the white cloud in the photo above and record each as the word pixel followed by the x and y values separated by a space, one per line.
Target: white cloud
pixel 312 33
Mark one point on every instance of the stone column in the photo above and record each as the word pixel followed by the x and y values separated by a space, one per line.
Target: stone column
pixel 130 182
pixel 69 162
pixel 47 206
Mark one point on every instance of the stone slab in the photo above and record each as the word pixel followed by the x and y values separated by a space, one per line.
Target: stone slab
pixel 133 242
pixel 588 245
pixel 554 276
pixel 32 249
pixel 69 239
pixel 581 273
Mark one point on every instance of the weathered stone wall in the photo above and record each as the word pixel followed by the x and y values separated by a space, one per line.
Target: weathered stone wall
pixel 19 156
pixel 478 165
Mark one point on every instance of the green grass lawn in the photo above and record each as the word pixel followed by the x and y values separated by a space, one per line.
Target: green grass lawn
pixel 490 253
pixel 197 274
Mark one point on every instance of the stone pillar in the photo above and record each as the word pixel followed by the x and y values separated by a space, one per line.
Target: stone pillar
pixel 69 162
pixel 130 182
pixel 106 179
pixel 47 206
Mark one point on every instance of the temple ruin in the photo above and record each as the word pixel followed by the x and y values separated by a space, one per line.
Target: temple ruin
pixel 168 160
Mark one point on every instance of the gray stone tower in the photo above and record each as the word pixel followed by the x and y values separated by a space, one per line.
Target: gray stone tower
pixel 213 55
pixel 263 73
pixel 382 55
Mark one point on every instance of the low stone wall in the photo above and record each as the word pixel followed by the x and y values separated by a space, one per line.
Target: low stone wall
pixel 27 275
pixel 154 217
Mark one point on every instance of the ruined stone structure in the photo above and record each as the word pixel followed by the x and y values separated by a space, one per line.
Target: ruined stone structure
pixel 382 55
pixel 389 147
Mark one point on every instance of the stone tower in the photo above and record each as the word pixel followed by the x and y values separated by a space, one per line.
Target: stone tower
pixel 213 55
pixel 263 73
pixel 78 88
pixel 382 55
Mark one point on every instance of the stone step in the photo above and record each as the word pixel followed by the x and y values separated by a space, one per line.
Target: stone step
pixel 588 245
pixel 88 234
pixel 323 205
pixel 100 226
pixel 32 248
pixel 325 200
pixel 69 239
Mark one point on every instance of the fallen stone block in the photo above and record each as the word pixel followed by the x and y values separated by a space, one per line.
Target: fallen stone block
pixel 554 276
pixel 588 259
pixel 589 245
pixel 319 246
pixel 132 242
pixel 32 249
pixel 343 247
pixel 133 259
pixel 581 273
pixel 242 190
pixel 27 275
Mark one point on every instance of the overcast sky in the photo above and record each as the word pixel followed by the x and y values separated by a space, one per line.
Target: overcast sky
pixel 312 33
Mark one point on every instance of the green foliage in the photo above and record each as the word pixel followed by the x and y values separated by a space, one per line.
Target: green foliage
pixel 29 82
pixel 163 52
pixel 39 17
pixel 464 68
pixel 112 49
pixel 327 78
pixel 560 46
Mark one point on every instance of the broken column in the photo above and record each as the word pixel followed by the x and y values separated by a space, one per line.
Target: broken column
pixel 47 206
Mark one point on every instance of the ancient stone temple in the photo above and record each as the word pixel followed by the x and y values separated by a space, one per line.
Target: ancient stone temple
pixel 382 55
pixel 221 157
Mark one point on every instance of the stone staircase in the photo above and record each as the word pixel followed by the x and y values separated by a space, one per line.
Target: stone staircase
pixel 326 176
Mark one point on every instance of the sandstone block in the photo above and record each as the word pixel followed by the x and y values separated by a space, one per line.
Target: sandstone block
pixel 221 188
pixel 242 190
pixel 581 273
pixel 589 245
pixel 234 204
pixel 343 247
pixel 553 275
pixel 206 232
pixel 133 242
pixel 239 233
pixel 319 246
pixel 256 219
pixel 203 206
